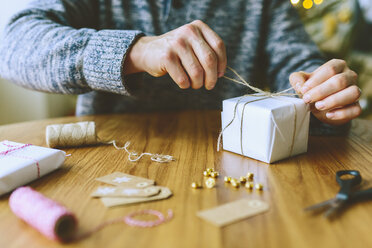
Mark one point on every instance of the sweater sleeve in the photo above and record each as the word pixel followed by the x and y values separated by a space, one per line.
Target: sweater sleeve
pixel 55 46
pixel 289 48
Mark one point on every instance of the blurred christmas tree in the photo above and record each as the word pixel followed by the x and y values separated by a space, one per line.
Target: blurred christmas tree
pixel 342 29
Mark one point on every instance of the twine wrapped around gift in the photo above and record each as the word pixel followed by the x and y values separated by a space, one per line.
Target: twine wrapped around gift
pixel 13 148
pixel 261 95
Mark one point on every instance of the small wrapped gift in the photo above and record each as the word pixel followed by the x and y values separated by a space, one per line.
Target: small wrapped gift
pixel 266 128
pixel 23 163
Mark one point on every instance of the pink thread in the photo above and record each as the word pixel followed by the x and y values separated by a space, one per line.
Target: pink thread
pixel 131 222
pixel 13 148
pixel 57 223
pixel 45 215
pixel 140 223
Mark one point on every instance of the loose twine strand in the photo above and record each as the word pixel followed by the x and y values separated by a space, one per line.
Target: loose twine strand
pixel 84 133
pixel 261 94
pixel 134 156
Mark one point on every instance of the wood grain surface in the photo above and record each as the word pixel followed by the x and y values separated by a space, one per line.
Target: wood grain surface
pixel 289 186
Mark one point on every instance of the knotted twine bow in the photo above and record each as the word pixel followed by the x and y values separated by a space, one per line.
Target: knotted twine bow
pixel 261 94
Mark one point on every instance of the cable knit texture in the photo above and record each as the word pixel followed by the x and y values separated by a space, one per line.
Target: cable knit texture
pixel 78 47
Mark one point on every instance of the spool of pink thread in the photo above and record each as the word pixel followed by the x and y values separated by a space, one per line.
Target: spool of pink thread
pixel 47 216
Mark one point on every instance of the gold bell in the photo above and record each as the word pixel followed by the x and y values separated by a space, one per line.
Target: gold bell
pixel 227 179
pixel 210 183
pixel 250 176
pixel 258 186
pixel 242 179
pixel 249 185
pixel 214 174
pixel 206 173
pixel 195 185
pixel 235 183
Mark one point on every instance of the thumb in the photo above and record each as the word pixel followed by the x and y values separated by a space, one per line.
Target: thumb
pixel 297 80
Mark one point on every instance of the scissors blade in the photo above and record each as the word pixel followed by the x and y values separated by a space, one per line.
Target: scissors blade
pixel 335 207
pixel 324 204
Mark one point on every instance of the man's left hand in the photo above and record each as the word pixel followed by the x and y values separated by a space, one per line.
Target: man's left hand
pixel 331 90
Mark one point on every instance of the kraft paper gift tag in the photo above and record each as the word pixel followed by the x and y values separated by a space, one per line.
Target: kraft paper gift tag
pixel 120 191
pixel 112 202
pixel 233 211
pixel 122 179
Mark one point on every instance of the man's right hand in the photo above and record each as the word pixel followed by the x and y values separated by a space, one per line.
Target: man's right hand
pixel 193 55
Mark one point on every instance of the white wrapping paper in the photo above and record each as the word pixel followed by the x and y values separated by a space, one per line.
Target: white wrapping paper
pixel 273 128
pixel 21 166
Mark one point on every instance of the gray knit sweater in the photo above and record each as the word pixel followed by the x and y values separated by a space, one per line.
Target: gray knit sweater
pixel 78 47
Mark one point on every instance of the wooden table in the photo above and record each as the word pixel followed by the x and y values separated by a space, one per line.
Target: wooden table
pixel 289 186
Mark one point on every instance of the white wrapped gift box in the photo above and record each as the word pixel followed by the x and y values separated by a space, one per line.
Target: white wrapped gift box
pixel 273 128
pixel 21 164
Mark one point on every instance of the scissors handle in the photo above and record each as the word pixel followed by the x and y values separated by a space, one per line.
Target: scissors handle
pixel 362 195
pixel 347 184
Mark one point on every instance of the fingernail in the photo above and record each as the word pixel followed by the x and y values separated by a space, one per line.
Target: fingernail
pixel 330 115
pixel 319 105
pixel 184 85
pixel 306 98
pixel 209 87
pixel 305 89
pixel 220 74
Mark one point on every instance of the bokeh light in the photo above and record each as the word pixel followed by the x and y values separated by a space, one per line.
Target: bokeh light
pixel 294 2
pixel 307 4
pixel 317 2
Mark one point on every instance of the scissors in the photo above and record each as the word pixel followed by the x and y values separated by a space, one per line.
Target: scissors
pixel 347 194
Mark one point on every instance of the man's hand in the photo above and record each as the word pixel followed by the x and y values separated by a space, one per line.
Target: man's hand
pixel 193 55
pixel 331 90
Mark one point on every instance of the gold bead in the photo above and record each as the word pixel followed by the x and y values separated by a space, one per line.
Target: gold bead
pixel 250 176
pixel 235 183
pixel 195 185
pixel 242 179
pixel 210 170
pixel 206 173
pixel 258 186
pixel 214 174
pixel 210 183
pixel 227 179
pixel 249 185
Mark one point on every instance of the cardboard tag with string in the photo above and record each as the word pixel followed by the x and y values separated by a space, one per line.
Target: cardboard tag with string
pixel 233 211
pixel 114 201
pixel 122 179
pixel 120 191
